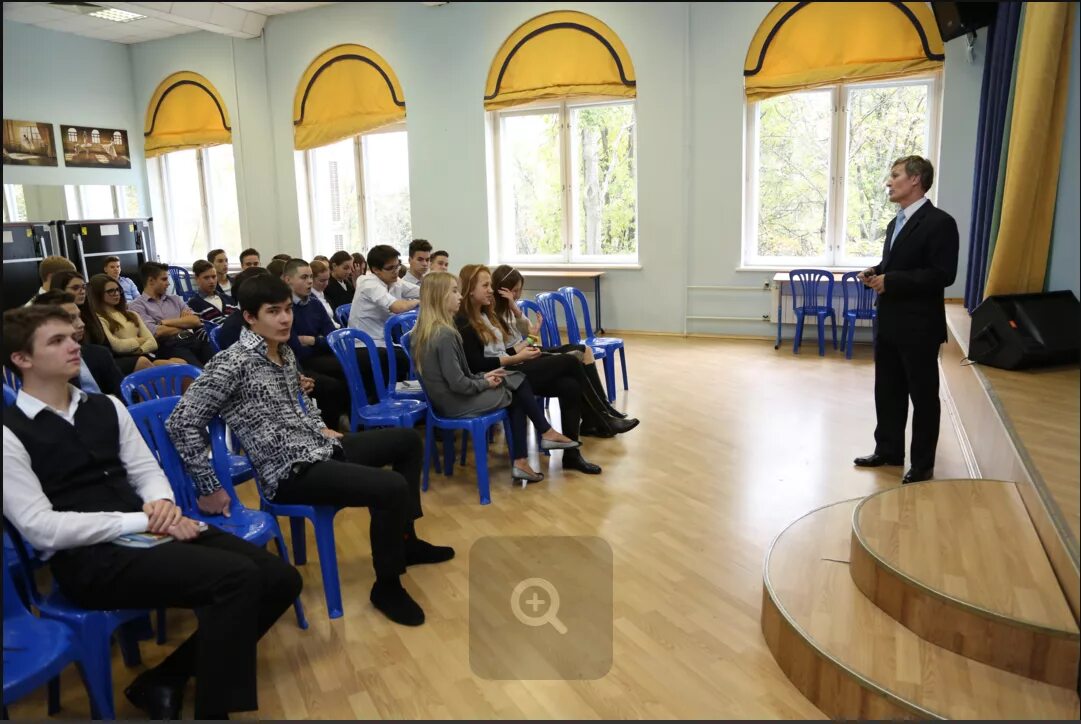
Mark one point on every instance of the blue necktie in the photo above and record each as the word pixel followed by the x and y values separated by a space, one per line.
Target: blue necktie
pixel 897 224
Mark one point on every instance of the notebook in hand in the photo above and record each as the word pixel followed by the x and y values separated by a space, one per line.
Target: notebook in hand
pixel 147 539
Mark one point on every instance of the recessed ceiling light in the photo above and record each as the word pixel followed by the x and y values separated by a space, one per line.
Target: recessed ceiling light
pixel 117 16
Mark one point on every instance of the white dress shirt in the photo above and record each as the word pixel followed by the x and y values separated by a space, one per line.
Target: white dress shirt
pixel 371 304
pixel 914 207
pixel 411 279
pixel 31 511
pixel 326 305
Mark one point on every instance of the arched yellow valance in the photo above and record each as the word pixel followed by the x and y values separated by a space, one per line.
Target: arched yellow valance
pixel 804 45
pixel 559 55
pixel 347 90
pixel 186 111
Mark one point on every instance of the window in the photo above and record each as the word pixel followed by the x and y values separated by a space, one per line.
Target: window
pixel 14 203
pixel 73 137
pixel 95 136
pixel 566 186
pixel 816 168
pixel 195 203
pixel 354 194
pixel 101 202
pixel 118 139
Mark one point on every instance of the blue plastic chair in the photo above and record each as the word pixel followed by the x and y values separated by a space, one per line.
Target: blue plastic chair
pixel 254 526
pixel 859 303
pixel 341 313
pixel 550 303
pixel 9 395
pixel 395 326
pixel 215 338
pixel 37 650
pixel 92 630
pixel 476 426
pixel 812 294
pixel 610 345
pixel 11 379
pixel 389 411
pixel 182 282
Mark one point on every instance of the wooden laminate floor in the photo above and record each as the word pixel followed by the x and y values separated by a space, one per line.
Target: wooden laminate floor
pixel 737 440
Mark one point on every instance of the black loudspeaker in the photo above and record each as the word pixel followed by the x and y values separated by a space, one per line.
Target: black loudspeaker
pixel 957 19
pixel 1016 331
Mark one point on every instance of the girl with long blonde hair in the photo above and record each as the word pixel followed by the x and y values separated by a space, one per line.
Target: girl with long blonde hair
pixel 454 391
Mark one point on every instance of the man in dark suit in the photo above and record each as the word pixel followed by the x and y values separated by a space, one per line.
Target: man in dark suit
pixel 919 260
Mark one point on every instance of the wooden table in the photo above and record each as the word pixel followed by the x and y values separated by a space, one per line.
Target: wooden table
pixel 557 274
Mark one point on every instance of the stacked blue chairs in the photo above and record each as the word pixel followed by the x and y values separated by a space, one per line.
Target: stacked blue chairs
pixel 609 345
pixel 550 303
pixel 389 411
pixel 215 338
pixel 92 630
pixel 9 395
pixel 395 327
pixel 37 650
pixel 254 526
pixel 341 313
pixel 155 383
pixel 859 303
pixel 182 284
pixel 476 426
pixel 812 295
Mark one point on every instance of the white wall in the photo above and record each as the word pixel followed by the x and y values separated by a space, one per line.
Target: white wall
pixel 1064 271
pixel 60 78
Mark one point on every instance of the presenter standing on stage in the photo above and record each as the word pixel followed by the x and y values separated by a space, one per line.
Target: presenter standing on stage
pixel 919 260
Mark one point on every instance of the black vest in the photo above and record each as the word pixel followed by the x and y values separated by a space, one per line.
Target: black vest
pixel 79 467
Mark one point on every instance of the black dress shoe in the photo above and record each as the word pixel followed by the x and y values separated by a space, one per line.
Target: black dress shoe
pixel 915 475
pixel 620 425
pixel 419 551
pixel 396 603
pixel 594 431
pixel 875 461
pixel 573 460
pixel 162 698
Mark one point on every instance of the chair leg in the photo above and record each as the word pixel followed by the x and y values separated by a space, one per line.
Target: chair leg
pixel 283 553
pixel 799 333
pixel 129 644
pixel 53 695
pixel 610 375
pixel 623 365
pixel 448 452
pixel 821 335
pixel 480 452
pixel 298 531
pixel 844 332
pixel 328 559
pixel 833 322
pixel 96 697
pixel 429 442
pixel 96 644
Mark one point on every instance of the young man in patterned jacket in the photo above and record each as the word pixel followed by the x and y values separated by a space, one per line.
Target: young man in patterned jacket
pixel 254 386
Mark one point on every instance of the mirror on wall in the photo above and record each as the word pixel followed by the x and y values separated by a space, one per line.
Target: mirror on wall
pixel 25 202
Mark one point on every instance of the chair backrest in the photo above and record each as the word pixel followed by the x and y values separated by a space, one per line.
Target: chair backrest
pixel 156 382
pixel 527 306
pixel 11 379
pixel 14 608
pixel 572 294
pixel 396 325
pixel 857 297
pixel 9 395
pixel 182 281
pixel 215 337
pixel 341 313
pixel 26 562
pixel 809 286
pixel 343 343
pixel 549 303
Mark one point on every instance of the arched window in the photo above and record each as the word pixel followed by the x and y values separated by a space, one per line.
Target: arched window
pixel 561 99
pixel 118 138
pixel 352 154
pixel 836 92
pixel 95 136
pixel 73 136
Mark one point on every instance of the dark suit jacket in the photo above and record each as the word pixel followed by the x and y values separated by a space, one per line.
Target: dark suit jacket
pixel 337 296
pixel 918 266
pixel 99 360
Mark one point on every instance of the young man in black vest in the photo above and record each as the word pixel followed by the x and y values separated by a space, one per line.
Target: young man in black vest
pixel 78 475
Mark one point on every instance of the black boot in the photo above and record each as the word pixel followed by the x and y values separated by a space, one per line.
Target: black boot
pixel 602 394
pixel 606 425
pixel 573 460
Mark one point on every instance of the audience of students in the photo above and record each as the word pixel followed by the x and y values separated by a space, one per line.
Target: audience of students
pixel 49 266
pixel 320 282
pixel 97 370
pixel 276 267
pixel 112 268
pixel 78 475
pixel 134 346
pixel 420 253
pixel 72 282
pixel 220 260
pixel 254 387
pixel 249 258
pixel 178 330
pixel 440 261
pixel 340 288
pixel 360 266
pixel 229 332
pixel 379 295
pixel 209 302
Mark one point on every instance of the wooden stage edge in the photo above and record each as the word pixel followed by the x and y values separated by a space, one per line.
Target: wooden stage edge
pixel 994 412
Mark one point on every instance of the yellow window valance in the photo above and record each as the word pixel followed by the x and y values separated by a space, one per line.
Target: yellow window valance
pixel 803 45
pixel 347 90
pixel 559 55
pixel 186 111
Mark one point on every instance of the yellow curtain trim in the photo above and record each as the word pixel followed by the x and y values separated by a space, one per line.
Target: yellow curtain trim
pixel 557 55
pixel 806 45
pixel 346 90
pixel 185 111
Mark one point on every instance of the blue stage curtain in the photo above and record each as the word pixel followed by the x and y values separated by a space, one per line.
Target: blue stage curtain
pixel 994 105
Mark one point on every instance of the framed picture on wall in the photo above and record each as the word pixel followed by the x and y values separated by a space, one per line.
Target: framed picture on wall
pixel 95 147
pixel 28 143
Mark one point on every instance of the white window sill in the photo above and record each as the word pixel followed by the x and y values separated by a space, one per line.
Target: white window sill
pixel 556 268
pixel 790 267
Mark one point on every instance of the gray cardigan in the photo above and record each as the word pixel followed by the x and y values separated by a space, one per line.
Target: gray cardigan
pixel 452 389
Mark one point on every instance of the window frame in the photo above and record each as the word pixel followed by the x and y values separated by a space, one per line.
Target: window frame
pixel 500 247
pixel 834 257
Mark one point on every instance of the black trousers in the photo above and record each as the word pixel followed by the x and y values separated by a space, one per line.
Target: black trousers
pixel 195 350
pixel 356 478
pixel 331 392
pixel 327 364
pixel 905 371
pixel 236 589
pixel 523 406
pixel 561 376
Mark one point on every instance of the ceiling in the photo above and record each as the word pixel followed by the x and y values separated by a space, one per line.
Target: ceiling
pixel 162 20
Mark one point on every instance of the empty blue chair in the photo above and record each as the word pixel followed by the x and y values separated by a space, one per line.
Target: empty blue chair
pixel 397 325
pixel 859 303
pixel 9 395
pixel 254 526
pixel 547 335
pixel 476 426
pixel 812 294
pixel 610 345
pixel 182 284
pixel 389 411
pixel 341 313
pixel 37 650
pixel 550 303
pixel 215 338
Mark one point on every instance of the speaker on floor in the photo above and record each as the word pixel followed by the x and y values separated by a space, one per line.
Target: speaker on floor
pixel 1015 331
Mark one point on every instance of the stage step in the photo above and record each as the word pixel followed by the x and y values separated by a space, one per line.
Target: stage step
pixel 854 661
pixel 959 563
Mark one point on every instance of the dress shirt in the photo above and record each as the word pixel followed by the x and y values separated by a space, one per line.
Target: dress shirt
pixel 87 383
pixel 48 530
pixel 153 311
pixel 411 279
pixel 127 286
pixel 371 304
pixel 326 305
